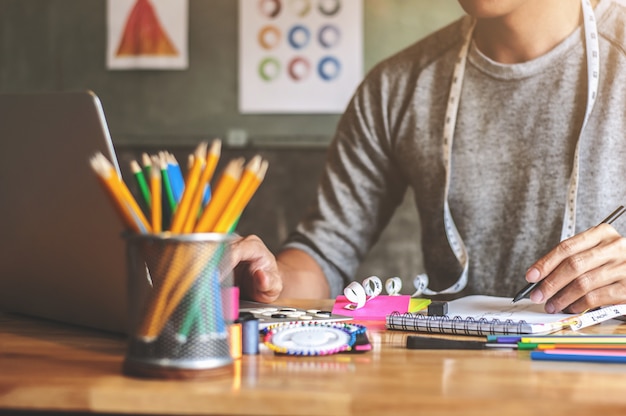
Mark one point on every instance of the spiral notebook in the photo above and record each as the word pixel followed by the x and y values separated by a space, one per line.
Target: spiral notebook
pixel 483 315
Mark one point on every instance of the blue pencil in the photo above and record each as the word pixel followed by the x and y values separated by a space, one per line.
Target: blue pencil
pixel 592 358
pixel 177 181
pixel 206 197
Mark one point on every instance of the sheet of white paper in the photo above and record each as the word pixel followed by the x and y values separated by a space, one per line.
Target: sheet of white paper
pixel 502 308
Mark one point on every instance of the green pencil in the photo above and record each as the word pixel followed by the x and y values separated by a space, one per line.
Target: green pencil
pixel 147 164
pixel 167 185
pixel 141 182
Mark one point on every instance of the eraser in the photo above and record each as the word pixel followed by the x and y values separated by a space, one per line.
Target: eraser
pixel 438 308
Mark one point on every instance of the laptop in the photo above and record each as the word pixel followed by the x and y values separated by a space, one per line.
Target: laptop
pixel 62 255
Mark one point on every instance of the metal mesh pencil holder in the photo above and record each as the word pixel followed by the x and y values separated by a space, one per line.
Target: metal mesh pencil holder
pixel 180 305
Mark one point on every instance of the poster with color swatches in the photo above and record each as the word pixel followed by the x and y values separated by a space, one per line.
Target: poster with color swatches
pixel 299 56
pixel 147 34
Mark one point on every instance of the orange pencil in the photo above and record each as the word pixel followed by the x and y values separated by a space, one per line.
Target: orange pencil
pixel 211 162
pixel 223 191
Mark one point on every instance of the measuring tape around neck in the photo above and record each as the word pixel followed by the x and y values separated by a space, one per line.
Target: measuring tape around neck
pixel 569 219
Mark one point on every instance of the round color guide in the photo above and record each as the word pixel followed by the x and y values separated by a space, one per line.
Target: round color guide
pixel 269 69
pixel 300 8
pixel 269 37
pixel 329 7
pixel 329 36
pixel 329 68
pixel 299 36
pixel 299 68
pixel 270 8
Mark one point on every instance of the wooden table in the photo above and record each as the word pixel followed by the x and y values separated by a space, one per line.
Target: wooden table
pixel 53 367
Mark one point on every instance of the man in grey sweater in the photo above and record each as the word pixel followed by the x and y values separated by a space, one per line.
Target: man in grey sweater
pixel 513 148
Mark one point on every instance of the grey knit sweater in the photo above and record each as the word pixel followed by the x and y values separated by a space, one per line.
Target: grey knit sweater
pixel 513 151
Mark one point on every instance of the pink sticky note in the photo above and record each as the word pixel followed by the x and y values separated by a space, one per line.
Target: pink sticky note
pixel 374 310
pixel 230 303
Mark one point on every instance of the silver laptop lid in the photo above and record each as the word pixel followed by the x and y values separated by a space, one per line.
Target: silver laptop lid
pixel 62 256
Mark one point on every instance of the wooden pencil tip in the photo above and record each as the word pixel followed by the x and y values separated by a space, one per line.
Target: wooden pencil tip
pixel 171 159
pixel 254 164
pixel 163 160
pixel 216 147
pixel 263 169
pixel 156 162
pixel 134 166
pixel 101 165
pixel 201 150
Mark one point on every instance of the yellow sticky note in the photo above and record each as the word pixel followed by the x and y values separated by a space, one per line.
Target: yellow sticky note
pixel 418 304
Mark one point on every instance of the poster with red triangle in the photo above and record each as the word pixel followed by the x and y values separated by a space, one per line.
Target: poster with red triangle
pixel 147 34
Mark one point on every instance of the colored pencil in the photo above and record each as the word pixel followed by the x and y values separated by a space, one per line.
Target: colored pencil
pixel 168 194
pixel 191 182
pixel 223 192
pixel 576 339
pixel 156 213
pixel 127 207
pixel 146 163
pixel 176 177
pixel 141 182
pixel 249 183
pixel 607 346
pixel 595 356
pixel 205 178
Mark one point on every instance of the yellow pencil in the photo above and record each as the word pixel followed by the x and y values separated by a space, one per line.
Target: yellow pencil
pixel 205 178
pixel 156 209
pixel 191 182
pixel 223 191
pixel 123 201
pixel 107 180
pixel 238 203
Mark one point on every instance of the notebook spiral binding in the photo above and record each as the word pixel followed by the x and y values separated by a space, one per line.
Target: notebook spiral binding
pixel 454 325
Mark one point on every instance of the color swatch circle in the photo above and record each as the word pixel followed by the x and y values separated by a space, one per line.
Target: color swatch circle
pixel 329 7
pixel 299 36
pixel 269 37
pixel 300 8
pixel 299 68
pixel 329 36
pixel 270 8
pixel 269 69
pixel 328 68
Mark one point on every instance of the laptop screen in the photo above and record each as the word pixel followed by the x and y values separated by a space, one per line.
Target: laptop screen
pixel 62 256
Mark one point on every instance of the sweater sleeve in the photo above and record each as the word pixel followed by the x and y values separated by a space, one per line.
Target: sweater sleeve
pixel 359 190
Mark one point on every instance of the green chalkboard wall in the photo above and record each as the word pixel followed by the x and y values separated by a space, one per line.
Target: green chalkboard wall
pixel 60 45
